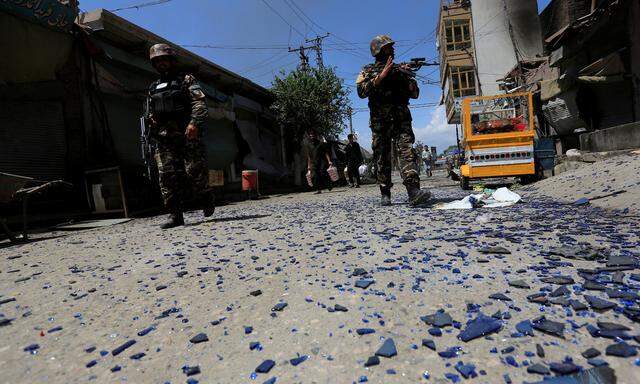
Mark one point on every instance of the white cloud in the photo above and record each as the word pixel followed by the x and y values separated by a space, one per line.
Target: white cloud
pixel 438 132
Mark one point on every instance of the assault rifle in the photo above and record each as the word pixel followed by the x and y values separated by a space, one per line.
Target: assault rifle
pixel 412 66
pixel 145 144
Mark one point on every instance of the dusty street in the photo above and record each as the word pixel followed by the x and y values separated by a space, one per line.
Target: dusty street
pixel 317 284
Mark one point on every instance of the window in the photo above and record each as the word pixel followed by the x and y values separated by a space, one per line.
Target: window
pixel 457 33
pixel 463 81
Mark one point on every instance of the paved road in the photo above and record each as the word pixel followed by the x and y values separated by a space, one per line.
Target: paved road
pixel 212 295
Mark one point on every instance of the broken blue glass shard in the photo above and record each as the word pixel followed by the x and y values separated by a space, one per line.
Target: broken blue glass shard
pixel 429 344
pixel 500 296
pixel 590 353
pixel 494 250
pixel 372 361
pixel 599 304
pixel 597 375
pixel 298 360
pixel 191 371
pixel 525 327
pixel 199 338
pixel 564 368
pixel 538 369
pixel 439 319
pixel 466 370
pixel 450 353
pixel 519 284
pixel 146 330
pixel 559 280
pixel 621 349
pixel 340 308
pixel 124 346
pixel 388 349
pixel 279 307
pixel 364 284
pixel 549 327
pixel 596 362
pixel 265 366
pixel 482 325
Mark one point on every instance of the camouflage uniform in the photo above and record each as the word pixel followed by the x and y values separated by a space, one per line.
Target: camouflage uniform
pixel 390 122
pixel 182 165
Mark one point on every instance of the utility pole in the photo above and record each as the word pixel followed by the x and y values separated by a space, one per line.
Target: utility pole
pixel 351 120
pixel 304 59
pixel 317 46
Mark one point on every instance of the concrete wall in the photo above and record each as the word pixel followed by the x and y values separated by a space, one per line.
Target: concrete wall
pixel 560 13
pixel 634 37
pixel 612 139
pixel 494 48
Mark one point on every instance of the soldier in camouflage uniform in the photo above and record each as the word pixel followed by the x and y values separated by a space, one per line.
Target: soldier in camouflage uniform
pixel 389 92
pixel 176 113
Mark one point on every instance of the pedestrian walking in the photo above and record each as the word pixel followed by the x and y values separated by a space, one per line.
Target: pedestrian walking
pixel 389 91
pixel 354 160
pixel 427 158
pixel 176 112
pixel 318 161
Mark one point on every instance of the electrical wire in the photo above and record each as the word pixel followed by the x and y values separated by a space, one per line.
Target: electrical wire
pixel 143 5
pixel 331 35
pixel 270 61
pixel 283 19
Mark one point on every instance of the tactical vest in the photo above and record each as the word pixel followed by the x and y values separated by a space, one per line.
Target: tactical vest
pixel 169 99
pixel 393 89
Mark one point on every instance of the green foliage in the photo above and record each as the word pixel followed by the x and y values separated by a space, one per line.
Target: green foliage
pixel 312 99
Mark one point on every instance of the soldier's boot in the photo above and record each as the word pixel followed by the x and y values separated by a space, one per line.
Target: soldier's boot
pixel 175 220
pixel 417 196
pixel 209 204
pixel 385 199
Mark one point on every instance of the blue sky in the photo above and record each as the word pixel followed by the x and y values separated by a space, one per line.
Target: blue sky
pixel 253 40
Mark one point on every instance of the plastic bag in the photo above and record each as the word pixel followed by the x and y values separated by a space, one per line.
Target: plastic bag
pixel 333 173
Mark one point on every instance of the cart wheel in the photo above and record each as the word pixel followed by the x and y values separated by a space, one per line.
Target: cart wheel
pixel 464 183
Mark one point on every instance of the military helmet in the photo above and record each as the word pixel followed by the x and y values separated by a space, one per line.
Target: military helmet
pixel 380 42
pixel 160 50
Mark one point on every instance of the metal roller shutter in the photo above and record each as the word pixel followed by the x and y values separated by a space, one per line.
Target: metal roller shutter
pixel 32 139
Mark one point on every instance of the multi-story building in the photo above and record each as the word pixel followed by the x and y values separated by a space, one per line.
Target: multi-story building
pixel 457 55
pixel 479 42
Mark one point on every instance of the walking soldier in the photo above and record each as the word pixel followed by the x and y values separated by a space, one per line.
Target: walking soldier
pixel 176 112
pixel 389 90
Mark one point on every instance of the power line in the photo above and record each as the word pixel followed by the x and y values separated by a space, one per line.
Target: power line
pixel 326 30
pixel 270 71
pixel 258 48
pixel 300 17
pixel 143 5
pixel 283 19
pixel 269 61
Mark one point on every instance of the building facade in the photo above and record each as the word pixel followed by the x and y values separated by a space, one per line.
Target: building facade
pixel 457 55
pixel 479 42
pixel 71 98
pixel 591 88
